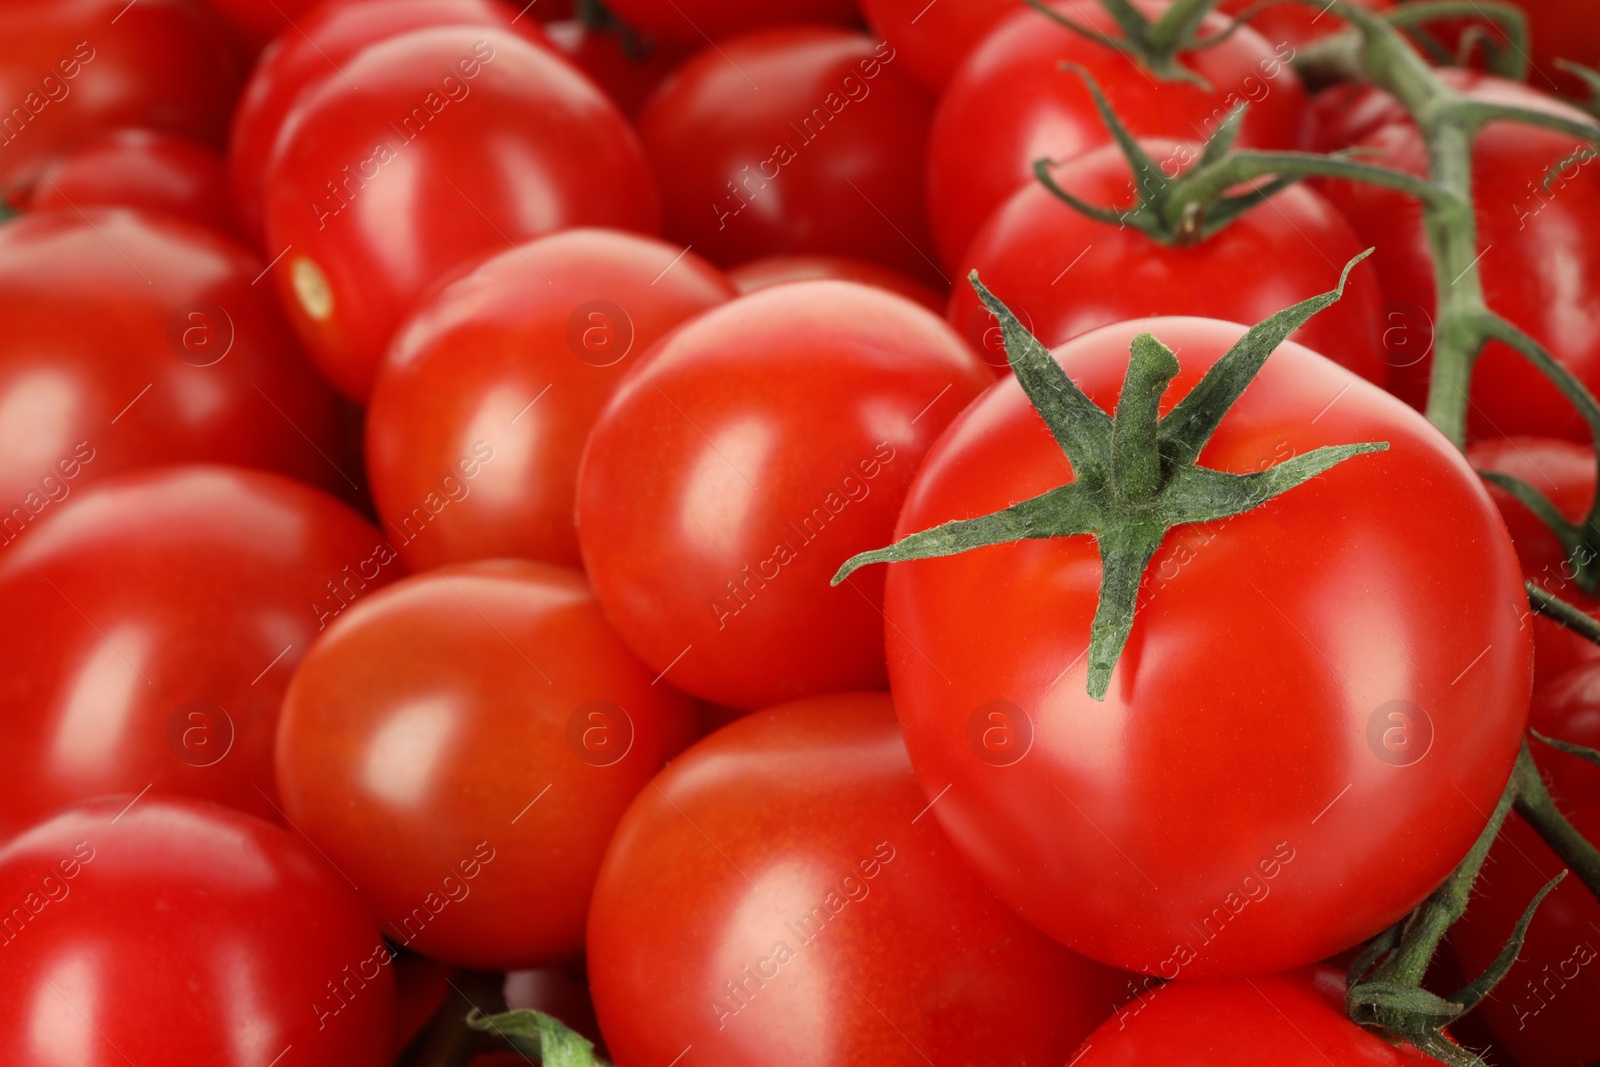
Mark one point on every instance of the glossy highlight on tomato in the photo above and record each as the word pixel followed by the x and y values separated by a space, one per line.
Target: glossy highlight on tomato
pixel 1287 712
pixel 154 172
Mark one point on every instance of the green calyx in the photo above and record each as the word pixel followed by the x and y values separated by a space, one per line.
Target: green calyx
pixel 535 1034
pixel 1156 43
pixel 1135 475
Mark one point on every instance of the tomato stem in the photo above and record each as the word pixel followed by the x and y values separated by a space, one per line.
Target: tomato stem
pixel 1535 804
pixel 533 1033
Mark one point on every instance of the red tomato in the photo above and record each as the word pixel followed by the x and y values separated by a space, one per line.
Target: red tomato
pixel 463 745
pixel 1288 708
pixel 775 270
pixel 152 629
pixel 754 451
pixel 258 21
pixel 934 38
pixel 1564 472
pixel 760 898
pixel 140 169
pixel 323 42
pixel 1287 1020
pixel 420 185
pixel 1296 25
pixel 700 22
pixel 793 140
pixel 149 929
pixel 1543 1011
pixel 1010 103
pixel 480 414
pixel 421 987
pixel 133 340
pixel 1063 273
pixel 76 68
pixel 627 67
pixel 1536 272
pixel 1561 29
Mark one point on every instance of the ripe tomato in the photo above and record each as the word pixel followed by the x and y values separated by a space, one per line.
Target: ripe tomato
pixel 1564 472
pixel 754 451
pixel 626 66
pixel 324 41
pixel 1543 1010
pixel 1010 103
pixel 480 414
pixel 759 898
pixel 775 270
pixel 1561 29
pixel 462 746
pixel 1296 25
pixel 695 23
pixel 793 140
pixel 1535 272
pixel 1287 1020
pixel 934 38
pixel 258 21
pixel 75 68
pixel 140 169
pixel 153 627
pixel 150 929
pixel 135 340
pixel 418 185
pixel 1286 711
pixel 1063 273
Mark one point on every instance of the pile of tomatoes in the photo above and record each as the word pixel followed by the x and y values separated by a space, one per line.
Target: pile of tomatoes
pixel 430 431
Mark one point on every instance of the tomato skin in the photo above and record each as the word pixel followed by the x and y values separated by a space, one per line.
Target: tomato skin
pixel 421 733
pixel 1564 472
pixel 86 392
pixel 186 933
pixel 92 66
pixel 754 451
pixel 1288 1020
pixel 610 59
pixel 934 38
pixel 153 172
pixel 564 157
pixel 1010 103
pixel 1534 272
pixel 1215 794
pixel 152 591
pixel 810 808
pixel 747 169
pixel 325 39
pixel 464 389
pixel 1294 24
pixel 695 23
pixel 1276 255
pixel 258 21
pixel 775 270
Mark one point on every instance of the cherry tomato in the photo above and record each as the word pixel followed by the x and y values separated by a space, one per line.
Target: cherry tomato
pixel 1535 273
pixel 463 745
pixel 933 39
pixel 140 169
pixel 76 68
pixel 1296 25
pixel 701 22
pixel 1064 273
pixel 627 66
pixel 479 417
pixel 323 42
pixel 1010 104
pixel 150 929
pixel 153 626
pixel 1287 1020
pixel 135 340
pixel 1564 472
pixel 793 140
pixel 755 450
pixel 419 186
pixel 1287 710
pixel 1542 1011
pixel 258 21
pixel 778 895
pixel 775 270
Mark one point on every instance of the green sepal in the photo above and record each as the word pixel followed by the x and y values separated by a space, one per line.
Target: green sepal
pixel 1473 993
pixel 533 1033
pixel 1568 747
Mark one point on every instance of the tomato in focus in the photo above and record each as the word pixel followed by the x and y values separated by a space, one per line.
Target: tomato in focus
pixel 777 895
pixel 462 745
